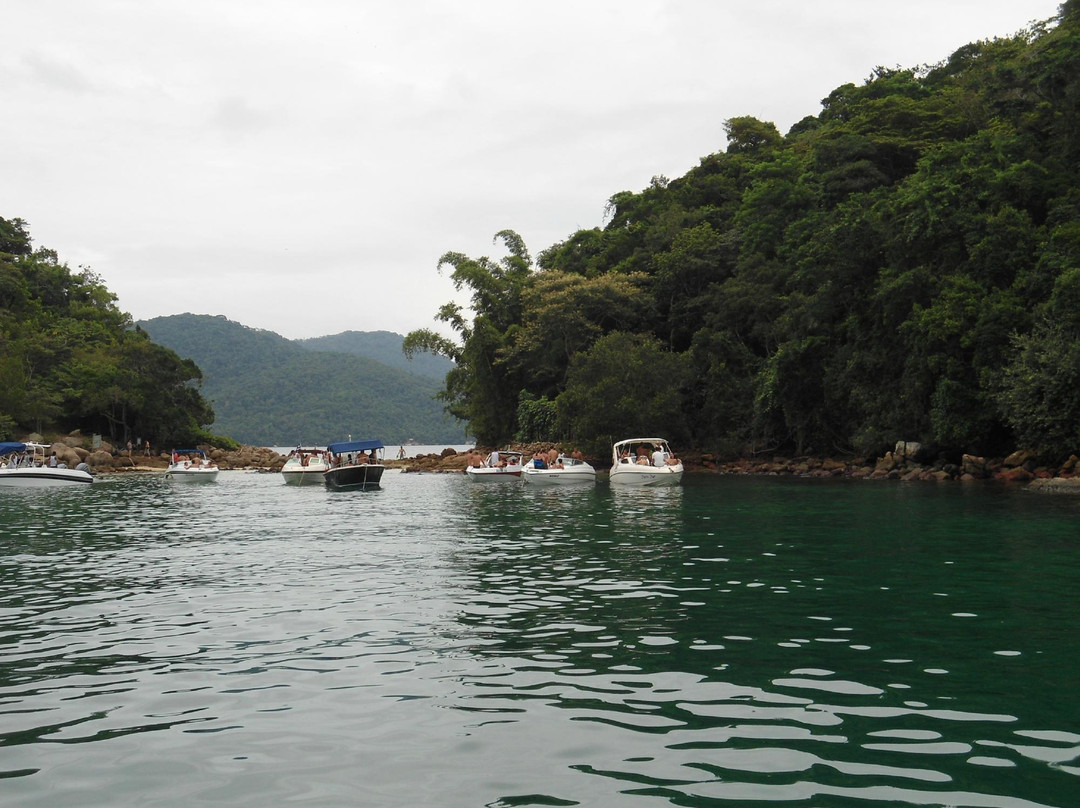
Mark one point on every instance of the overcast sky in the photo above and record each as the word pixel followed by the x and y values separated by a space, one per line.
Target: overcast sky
pixel 301 166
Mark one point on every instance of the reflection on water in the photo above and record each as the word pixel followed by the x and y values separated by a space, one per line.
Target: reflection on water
pixel 442 642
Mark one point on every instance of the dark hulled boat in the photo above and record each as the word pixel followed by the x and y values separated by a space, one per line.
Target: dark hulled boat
pixel 354 465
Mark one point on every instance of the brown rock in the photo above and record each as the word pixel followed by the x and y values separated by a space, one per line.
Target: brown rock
pixel 1017 458
pixel 974 466
pixel 1015 475
pixel 1057 485
pixel 100 459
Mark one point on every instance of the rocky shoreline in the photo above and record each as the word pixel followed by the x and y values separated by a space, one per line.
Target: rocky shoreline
pixel 904 463
pixel 105 458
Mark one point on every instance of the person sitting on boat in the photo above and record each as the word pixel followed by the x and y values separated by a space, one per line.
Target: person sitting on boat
pixel 625 456
pixel 659 457
pixel 361 459
pixel 643 460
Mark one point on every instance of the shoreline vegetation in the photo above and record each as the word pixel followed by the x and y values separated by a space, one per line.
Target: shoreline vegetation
pixel 906 263
pixel 903 463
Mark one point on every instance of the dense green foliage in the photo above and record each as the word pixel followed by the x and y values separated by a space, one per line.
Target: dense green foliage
pixel 70 359
pixel 905 265
pixel 268 390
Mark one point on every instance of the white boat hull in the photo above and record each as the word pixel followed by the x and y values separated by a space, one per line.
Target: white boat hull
pixel 191 475
pixel 567 476
pixel 484 474
pixel 304 476
pixel 658 466
pixel 305 466
pixel 44 477
pixel 632 474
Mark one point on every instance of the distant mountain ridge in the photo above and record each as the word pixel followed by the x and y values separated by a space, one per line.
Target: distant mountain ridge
pixel 382 346
pixel 271 391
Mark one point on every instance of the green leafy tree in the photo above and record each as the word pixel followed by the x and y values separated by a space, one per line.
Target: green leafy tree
pixel 69 358
pixel 564 314
pixel 481 389
pixel 625 385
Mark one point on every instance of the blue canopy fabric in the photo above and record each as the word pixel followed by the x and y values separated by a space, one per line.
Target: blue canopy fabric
pixel 9 447
pixel 355 446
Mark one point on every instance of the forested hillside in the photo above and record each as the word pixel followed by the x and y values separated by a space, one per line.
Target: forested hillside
pixel 267 390
pixel 382 346
pixel 904 265
pixel 69 358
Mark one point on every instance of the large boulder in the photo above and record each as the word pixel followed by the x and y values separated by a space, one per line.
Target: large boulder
pixel 907 449
pixel 1017 474
pixel 100 459
pixel 65 454
pixel 976 467
pixel 1057 485
pixel 1017 459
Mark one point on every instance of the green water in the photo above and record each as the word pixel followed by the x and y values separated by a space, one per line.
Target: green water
pixel 440 642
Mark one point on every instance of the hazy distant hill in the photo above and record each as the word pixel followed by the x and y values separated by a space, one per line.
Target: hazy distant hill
pixel 382 346
pixel 267 390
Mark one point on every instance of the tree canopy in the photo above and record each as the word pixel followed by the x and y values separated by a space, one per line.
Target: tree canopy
pixel 70 359
pixel 901 266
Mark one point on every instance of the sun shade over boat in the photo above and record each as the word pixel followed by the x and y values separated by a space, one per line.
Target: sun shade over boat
pixel 8 448
pixel 189 451
pixel 355 446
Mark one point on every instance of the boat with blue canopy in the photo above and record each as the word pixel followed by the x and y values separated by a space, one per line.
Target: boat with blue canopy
pixel 354 464
pixel 27 466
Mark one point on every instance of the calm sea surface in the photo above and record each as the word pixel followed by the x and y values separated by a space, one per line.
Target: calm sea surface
pixel 440 642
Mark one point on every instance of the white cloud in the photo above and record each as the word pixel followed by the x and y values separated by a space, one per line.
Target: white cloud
pixel 301 166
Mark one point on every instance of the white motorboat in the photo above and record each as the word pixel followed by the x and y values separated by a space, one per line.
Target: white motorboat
pixel 498 466
pixel 565 471
pixel 28 467
pixel 354 465
pixel 191 466
pixel 306 466
pixel 644 461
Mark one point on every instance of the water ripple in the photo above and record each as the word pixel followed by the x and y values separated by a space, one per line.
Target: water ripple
pixel 439 642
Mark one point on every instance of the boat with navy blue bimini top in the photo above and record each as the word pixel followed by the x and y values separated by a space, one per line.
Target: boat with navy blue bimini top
pixel 27 466
pixel 354 464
